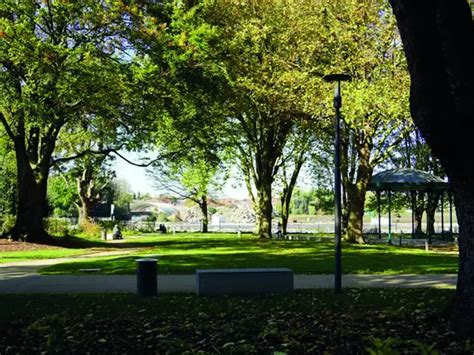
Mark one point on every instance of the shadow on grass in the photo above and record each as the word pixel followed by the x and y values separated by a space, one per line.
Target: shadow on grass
pixel 303 259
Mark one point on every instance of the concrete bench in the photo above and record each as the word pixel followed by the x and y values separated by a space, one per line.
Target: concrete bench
pixel 212 282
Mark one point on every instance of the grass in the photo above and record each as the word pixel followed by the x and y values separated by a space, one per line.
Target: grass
pixel 317 321
pixel 183 254
pixel 13 256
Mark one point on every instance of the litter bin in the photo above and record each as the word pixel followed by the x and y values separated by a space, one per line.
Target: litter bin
pixel 146 277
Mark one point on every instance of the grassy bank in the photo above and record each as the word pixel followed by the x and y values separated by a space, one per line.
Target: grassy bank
pixel 184 253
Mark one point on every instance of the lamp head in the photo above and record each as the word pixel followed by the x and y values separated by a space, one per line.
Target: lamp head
pixel 337 77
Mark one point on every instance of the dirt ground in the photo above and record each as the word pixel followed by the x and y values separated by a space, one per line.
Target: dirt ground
pixel 7 245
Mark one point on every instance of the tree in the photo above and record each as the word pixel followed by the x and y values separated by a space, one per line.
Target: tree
pixel 293 159
pixel 270 62
pixel 363 40
pixel 188 179
pixel 437 37
pixel 58 71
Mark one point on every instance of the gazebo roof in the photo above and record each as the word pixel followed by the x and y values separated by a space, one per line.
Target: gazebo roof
pixel 407 180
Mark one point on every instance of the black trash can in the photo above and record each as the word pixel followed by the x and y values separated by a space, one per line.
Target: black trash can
pixel 146 277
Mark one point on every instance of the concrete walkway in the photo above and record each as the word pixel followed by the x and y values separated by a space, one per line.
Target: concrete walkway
pixel 23 277
pixel 186 283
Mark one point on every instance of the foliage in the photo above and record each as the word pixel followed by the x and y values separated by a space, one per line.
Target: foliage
pixel 60 73
pixel 8 221
pixel 312 201
pixel 8 188
pixel 62 197
pixel 90 228
pixel 60 227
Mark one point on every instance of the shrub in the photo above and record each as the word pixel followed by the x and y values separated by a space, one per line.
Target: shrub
pixel 7 222
pixel 90 228
pixel 60 227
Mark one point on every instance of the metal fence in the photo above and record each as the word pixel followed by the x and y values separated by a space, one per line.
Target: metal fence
pixel 303 227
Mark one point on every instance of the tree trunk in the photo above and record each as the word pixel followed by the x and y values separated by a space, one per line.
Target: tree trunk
pixel 85 209
pixel 31 206
pixel 205 214
pixel 87 196
pixel 433 199
pixel 264 210
pixel 285 210
pixel 356 217
pixel 418 212
pixel 356 195
pixel 463 305
pixel 288 189
pixel 438 36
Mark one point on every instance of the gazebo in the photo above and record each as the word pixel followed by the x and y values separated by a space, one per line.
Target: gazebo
pixel 411 181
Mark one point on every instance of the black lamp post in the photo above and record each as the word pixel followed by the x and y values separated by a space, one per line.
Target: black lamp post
pixel 337 175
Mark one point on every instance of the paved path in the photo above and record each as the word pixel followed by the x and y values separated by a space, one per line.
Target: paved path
pixel 186 283
pixel 22 277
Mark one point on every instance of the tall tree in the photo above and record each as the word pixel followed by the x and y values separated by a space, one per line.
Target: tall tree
pixel 437 37
pixel 270 63
pixel 58 69
pixel 363 40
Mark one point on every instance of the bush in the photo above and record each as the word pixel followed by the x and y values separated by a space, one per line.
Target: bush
pixel 90 228
pixel 7 222
pixel 60 227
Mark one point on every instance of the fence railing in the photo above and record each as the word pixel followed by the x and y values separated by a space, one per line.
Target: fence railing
pixel 304 227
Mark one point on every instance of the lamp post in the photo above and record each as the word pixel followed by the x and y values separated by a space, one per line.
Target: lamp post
pixel 337 175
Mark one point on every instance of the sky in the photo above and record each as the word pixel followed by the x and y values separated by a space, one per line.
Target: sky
pixel 139 182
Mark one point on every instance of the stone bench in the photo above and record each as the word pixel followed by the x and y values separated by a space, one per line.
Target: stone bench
pixel 212 282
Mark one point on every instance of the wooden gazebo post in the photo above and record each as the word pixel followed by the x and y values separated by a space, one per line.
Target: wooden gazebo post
pixel 413 206
pixel 442 215
pixel 389 217
pixel 378 210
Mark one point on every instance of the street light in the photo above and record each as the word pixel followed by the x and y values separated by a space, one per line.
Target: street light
pixel 337 174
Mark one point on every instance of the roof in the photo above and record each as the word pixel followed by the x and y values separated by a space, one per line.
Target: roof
pixel 407 180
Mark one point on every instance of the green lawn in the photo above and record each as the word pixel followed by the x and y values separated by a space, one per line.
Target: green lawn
pixel 7 257
pixel 388 321
pixel 183 254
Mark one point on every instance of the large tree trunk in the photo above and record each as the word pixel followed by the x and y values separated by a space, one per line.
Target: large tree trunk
pixel 438 36
pixel 87 195
pixel 433 200
pixel 418 212
pixel 264 210
pixel 31 207
pixel 356 194
pixel 85 209
pixel 354 233
pixel 205 215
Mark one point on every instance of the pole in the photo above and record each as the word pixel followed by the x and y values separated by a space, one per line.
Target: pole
pixel 413 207
pixel 442 215
pixel 337 190
pixel 379 212
pixel 450 196
pixel 337 177
pixel 389 218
